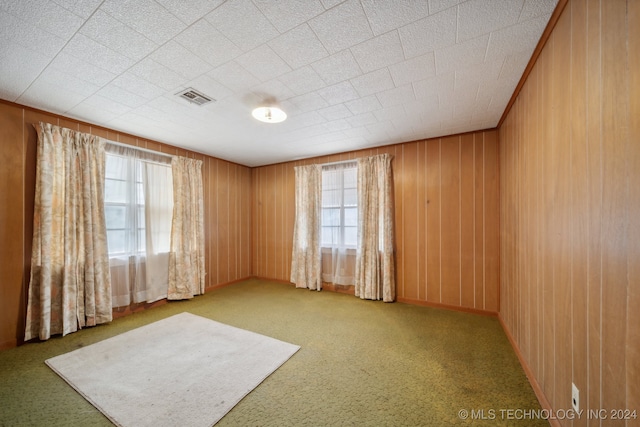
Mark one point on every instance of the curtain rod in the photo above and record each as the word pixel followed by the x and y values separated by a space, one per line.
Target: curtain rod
pixel 134 147
pixel 341 162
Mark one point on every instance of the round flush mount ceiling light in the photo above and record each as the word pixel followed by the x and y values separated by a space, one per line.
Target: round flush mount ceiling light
pixel 269 114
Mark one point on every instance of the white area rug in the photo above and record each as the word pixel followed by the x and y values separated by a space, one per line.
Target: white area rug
pixel 184 370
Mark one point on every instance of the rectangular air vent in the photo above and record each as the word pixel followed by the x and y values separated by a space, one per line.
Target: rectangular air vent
pixel 195 97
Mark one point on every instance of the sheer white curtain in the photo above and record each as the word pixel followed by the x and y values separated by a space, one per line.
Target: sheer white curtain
pixel 339 223
pixel 138 208
pixel 375 276
pixel 305 258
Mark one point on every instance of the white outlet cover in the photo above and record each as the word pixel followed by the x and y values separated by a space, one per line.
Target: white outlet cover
pixel 575 397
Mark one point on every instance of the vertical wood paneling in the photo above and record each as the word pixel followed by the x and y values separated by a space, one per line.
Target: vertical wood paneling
pixel 227 246
pixel 615 190
pixel 633 299
pixel 410 244
pixel 478 221
pixel 433 221
pixel 491 224
pixel 11 224
pixel 467 264
pixel 439 193
pixel 450 220
pixel 579 202
pixel 570 209
pixel 594 183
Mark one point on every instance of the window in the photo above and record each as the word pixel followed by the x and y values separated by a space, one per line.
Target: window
pixel 138 205
pixel 340 205
pixel 124 205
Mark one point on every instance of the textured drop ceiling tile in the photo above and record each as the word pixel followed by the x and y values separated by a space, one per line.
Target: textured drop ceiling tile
pixel 16 30
pixel 91 114
pixel 436 6
pixel 338 67
pixel 395 112
pixel 363 105
pixel 146 17
pixel 18 67
pixel 476 18
pixel 430 33
pixel 177 58
pixel 82 69
pixel 536 8
pixel 462 55
pixel 373 82
pixel 49 97
pixel 99 102
pixel 303 120
pixel 45 15
pixel 122 96
pixel 428 89
pixel 308 102
pixel 242 23
pixel 338 93
pixel 158 74
pixel 287 14
pixel 299 47
pixel 138 85
pixel 518 38
pixel 396 96
pixel 190 11
pixel 88 50
pixel 387 15
pixel 328 4
pixel 273 90
pixel 362 119
pixel 335 112
pixel 234 76
pixel 208 44
pixel 379 52
pixel 83 8
pixel 342 27
pixel 263 63
pixel 67 81
pixel 414 69
pixel 110 32
pixel 302 80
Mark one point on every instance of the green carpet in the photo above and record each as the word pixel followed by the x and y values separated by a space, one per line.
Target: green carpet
pixel 361 363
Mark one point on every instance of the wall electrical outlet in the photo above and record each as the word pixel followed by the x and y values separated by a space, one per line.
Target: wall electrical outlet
pixel 575 397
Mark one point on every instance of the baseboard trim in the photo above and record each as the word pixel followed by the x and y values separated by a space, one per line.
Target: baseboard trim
pixel 529 373
pixel 448 307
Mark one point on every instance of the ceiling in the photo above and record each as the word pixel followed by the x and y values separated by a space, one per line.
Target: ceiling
pixel 350 74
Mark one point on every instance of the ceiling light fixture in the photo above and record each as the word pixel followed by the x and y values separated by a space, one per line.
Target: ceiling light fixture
pixel 269 114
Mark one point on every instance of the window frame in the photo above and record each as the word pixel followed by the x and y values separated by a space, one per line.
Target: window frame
pixel 341 206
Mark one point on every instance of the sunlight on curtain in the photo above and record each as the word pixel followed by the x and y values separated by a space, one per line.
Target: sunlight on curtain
pixel 339 223
pixel 186 258
pixel 375 276
pixel 305 257
pixel 138 211
pixel 70 285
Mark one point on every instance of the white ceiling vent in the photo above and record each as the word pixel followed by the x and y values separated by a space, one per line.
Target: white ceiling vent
pixel 195 97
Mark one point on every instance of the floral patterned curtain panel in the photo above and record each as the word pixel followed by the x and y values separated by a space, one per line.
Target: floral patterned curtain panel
pixel 306 261
pixel 375 277
pixel 70 284
pixel 186 257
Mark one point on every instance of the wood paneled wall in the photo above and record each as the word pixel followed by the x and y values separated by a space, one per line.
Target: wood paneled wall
pixel 570 212
pixel 446 219
pixel 227 188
